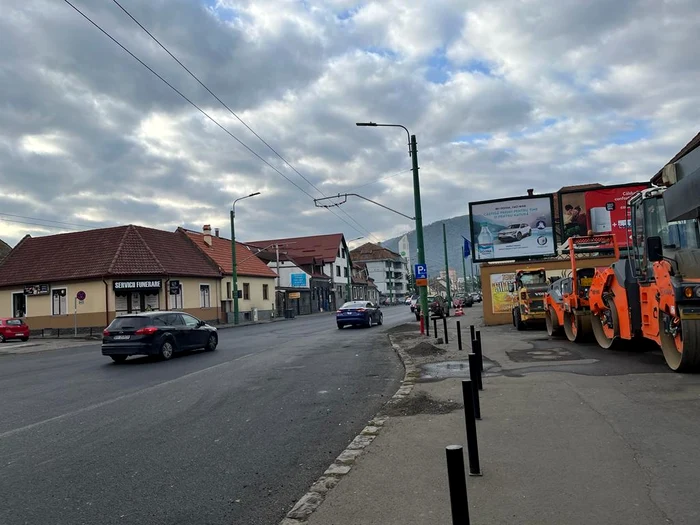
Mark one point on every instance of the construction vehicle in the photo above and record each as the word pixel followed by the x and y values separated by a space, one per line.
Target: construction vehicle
pixel 655 292
pixel 528 297
pixel 566 300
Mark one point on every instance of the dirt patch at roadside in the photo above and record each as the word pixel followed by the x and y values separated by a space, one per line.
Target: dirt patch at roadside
pixel 419 403
pixel 404 328
pixel 425 350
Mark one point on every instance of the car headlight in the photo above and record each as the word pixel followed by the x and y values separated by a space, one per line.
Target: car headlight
pixel 688 291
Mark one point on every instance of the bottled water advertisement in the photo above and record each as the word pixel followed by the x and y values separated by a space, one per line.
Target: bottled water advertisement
pixel 517 228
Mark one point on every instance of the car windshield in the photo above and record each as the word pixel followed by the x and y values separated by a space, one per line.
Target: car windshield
pixel 514 226
pixel 533 278
pixel 354 304
pixel 14 322
pixel 128 322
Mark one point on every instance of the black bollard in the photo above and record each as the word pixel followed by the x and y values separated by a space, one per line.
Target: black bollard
pixel 476 349
pixel 470 422
pixel 435 327
pixel 444 327
pixel 471 332
pixel 474 376
pixel 479 353
pixel 458 485
pixel 459 336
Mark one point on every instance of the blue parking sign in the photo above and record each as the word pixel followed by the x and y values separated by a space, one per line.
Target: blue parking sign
pixel 420 271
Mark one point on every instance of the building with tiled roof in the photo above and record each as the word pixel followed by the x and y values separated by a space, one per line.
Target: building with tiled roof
pixel 4 250
pixel 320 264
pixel 119 270
pixel 256 281
pixel 387 268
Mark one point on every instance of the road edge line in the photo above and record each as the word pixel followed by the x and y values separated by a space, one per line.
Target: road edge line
pixel 342 465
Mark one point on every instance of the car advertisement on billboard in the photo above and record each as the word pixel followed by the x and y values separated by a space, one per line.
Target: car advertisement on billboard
pixel 600 210
pixel 512 229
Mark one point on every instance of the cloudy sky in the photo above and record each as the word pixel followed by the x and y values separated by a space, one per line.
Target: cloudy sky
pixel 503 95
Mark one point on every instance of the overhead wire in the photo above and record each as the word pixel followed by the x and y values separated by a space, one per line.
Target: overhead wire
pixel 44 220
pixel 164 48
pixel 207 115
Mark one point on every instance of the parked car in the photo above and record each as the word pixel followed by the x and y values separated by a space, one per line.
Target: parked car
pixel 156 333
pixel 437 305
pixel 476 297
pixel 359 313
pixel 13 328
pixel 414 300
pixel 463 301
pixel 407 300
pixel 514 232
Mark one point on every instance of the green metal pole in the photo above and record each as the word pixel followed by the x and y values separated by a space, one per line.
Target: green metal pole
pixel 349 286
pixel 422 290
pixel 447 268
pixel 234 274
pixel 464 271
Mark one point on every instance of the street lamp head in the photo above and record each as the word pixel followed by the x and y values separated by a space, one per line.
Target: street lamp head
pixel 254 194
pixel 373 124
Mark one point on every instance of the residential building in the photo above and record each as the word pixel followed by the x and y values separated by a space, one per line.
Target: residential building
pixel 89 277
pixel 387 268
pixel 322 255
pixel 363 287
pixel 256 282
pixel 4 250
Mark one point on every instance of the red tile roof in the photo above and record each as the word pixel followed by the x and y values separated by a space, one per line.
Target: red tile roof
pixel 373 252
pixel 305 250
pixel 220 253
pixel 106 252
pixel 4 249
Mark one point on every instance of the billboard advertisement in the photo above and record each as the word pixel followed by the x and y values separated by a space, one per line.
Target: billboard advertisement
pixel 599 210
pixel 512 229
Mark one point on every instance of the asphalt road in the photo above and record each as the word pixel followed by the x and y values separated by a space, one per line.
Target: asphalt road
pixel 230 437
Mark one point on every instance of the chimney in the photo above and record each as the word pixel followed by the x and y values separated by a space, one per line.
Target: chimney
pixel 207 234
pixel 530 192
pixel 216 232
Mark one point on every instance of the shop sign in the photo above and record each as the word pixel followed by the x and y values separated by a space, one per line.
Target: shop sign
pixel 295 295
pixel 136 285
pixel 36 289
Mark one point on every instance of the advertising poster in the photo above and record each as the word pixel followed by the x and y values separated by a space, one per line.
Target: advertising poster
pixel 515 229
pixel 601 210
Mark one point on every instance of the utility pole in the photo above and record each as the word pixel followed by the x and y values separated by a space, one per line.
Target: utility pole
pixel 447 268
pixel 464 270
pixel 234 264
pixel 349 269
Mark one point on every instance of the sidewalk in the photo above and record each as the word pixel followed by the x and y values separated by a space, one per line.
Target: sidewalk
pixel 561 442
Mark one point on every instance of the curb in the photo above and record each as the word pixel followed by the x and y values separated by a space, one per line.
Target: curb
pixel 310 501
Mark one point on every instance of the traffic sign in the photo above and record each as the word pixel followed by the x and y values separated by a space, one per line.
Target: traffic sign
pixel 420 271
pixel 81 295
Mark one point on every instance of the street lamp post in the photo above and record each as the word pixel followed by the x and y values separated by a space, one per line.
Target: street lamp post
pixel 413 152
pixel 234 264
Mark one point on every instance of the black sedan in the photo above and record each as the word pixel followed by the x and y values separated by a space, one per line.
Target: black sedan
pixel 156 333
pixel 359 313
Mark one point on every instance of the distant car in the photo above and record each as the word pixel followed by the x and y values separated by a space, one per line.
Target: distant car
pixel 463 301
pixel 156 333
pixel 414 300
pixel 407 300
pixel 437 305
pixel 359 313
pixel 476 296
pixel 514 232
pixel 13 328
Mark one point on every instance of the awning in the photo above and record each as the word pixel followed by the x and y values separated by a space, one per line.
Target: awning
pixel 682 200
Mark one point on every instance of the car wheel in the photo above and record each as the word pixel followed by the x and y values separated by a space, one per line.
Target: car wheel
pixel 370 323
pixel 25 339
pixel 519 236
pixel 2 338
pixel 340 326
pixel 118 358
pixel 381 320
pixel 519 324
pixel 167 350
pixel 211 344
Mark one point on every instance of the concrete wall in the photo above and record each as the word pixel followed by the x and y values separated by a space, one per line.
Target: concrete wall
pixel 491 296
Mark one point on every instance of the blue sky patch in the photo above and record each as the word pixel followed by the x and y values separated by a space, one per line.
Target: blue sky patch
pixel 638 130
pixel 439 68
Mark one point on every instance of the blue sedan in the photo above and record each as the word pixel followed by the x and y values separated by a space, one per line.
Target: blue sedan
pixel 359 313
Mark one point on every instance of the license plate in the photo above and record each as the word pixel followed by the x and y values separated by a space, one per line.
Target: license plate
pixel 121 337
pixel 586 281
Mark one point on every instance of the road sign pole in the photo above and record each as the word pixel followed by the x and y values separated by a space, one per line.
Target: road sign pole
pixel 75 316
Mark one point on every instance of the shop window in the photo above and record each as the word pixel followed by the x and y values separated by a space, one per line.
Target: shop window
pixel 59 303
pixel 175 301
pixel 266 292
pixel 246 291
pixel 19 304
pixel 204 296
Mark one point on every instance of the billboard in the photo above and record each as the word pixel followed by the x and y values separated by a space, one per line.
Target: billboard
pixel 599 210
pixel 512 229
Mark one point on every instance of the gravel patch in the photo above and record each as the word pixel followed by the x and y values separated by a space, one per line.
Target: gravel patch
pixel 419 403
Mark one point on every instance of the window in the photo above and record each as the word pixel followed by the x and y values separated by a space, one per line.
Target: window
pixel 266 292
pixel 175 320
pixel 175 300
pixel 337 271
pixel 59 304
pixel 246 291
pixel 204 296
pixel 19 304
pixel 190 321
pixel 342 252
pixel 345 271
pixel 228 289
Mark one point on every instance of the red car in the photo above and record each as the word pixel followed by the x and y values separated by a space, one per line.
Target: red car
pixel 13 328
